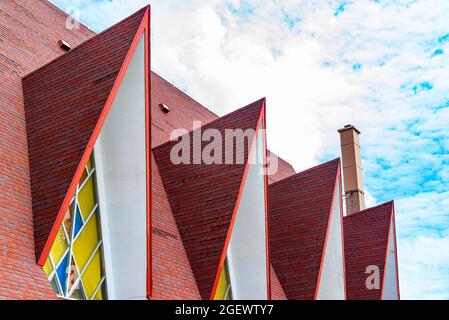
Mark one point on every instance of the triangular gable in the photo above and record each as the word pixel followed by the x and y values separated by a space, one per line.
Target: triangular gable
pixel 366 235
pixel 246 246
pixel 299 211
pixel 331 282
pixel 390 285
pixel 204 198
pixel 66 104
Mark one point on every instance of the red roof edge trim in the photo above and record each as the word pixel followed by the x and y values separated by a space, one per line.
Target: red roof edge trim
pixel 392 225
pixel 329 221
pixel 340 185
pixel 267 227
pixel 87 152
pixel 81 44
pixel 147 32
pixel 236 206
pixel 396 251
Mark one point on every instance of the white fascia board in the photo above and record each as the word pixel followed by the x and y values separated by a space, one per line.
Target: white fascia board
pixel 390 285
pixel 331 285
pixel 247 255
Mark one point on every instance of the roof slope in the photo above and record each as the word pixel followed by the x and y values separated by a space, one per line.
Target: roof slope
pixel 366 239
pixel 203 197
pixel 172 275
pixel 63 103
pixel 298 220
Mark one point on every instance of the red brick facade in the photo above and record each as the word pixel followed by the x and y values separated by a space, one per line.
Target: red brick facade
pixel 29 31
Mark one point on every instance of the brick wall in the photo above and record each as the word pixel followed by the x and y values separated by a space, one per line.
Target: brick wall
pixel 29 31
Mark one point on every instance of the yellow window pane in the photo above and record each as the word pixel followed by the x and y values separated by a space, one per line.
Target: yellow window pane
pixel 92 277
pixel 89 164
pixel 222 292
pixel 59 247
pixel 83 176
pixel 86 242
pixel 47 267
pixel 86 198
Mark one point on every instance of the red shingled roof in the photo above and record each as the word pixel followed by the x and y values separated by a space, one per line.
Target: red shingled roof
pixel 366 239
pixel 203 197
pixel 300 207
pixel 63 104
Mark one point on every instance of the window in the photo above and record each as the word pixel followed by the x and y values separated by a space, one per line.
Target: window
pixel 74 266
pixel 224 290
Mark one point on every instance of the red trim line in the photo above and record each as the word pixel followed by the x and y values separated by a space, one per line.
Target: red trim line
pixel 342 230
pixel 90 145
pixel 327 235
pixel 396 253
pixel 392 225
pixel 267 229
pixel 234 213
pixel 148 151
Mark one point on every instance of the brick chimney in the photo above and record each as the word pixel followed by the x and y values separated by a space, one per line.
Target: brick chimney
pixel 352 169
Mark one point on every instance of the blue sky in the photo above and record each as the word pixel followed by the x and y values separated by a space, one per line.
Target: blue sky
pixel 381 65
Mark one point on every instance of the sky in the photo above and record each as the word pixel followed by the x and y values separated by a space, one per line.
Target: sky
pixel 380 65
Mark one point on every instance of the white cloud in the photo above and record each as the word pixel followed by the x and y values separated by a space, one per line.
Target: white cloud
pixel 375 64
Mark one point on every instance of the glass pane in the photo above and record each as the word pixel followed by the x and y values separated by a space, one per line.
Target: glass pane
pixel 54 285
pixel 86 198
pixel 89 164
pixel 74 286
pixel 60 246
pixel 223 291
pixel 61 270
pixel 92 277
pixel 83 176
pixel 86 242
pixel 48 268
pixel 68 220
pixel 78 222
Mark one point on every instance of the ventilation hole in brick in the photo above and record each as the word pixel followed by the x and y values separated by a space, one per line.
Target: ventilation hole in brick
pixel 64 45
pixel 165 109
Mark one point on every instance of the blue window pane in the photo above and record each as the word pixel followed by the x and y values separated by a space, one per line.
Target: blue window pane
pixel 78 222
pixel 62 271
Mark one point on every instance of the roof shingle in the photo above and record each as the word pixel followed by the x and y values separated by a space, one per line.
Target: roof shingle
pixel 298 220
pixel 366 239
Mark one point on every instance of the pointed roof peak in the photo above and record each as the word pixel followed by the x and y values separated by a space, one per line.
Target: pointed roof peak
pixel 249 112
pixel 140 13
pixel 380 207
pixel 330 165
pixel 203 198
pixel 366 235
pixel 64 103
pixel 299 211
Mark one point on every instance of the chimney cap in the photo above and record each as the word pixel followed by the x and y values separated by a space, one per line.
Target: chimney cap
pixel 349 127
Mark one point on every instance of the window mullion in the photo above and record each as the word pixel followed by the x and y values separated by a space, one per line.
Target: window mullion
pixel 98 288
